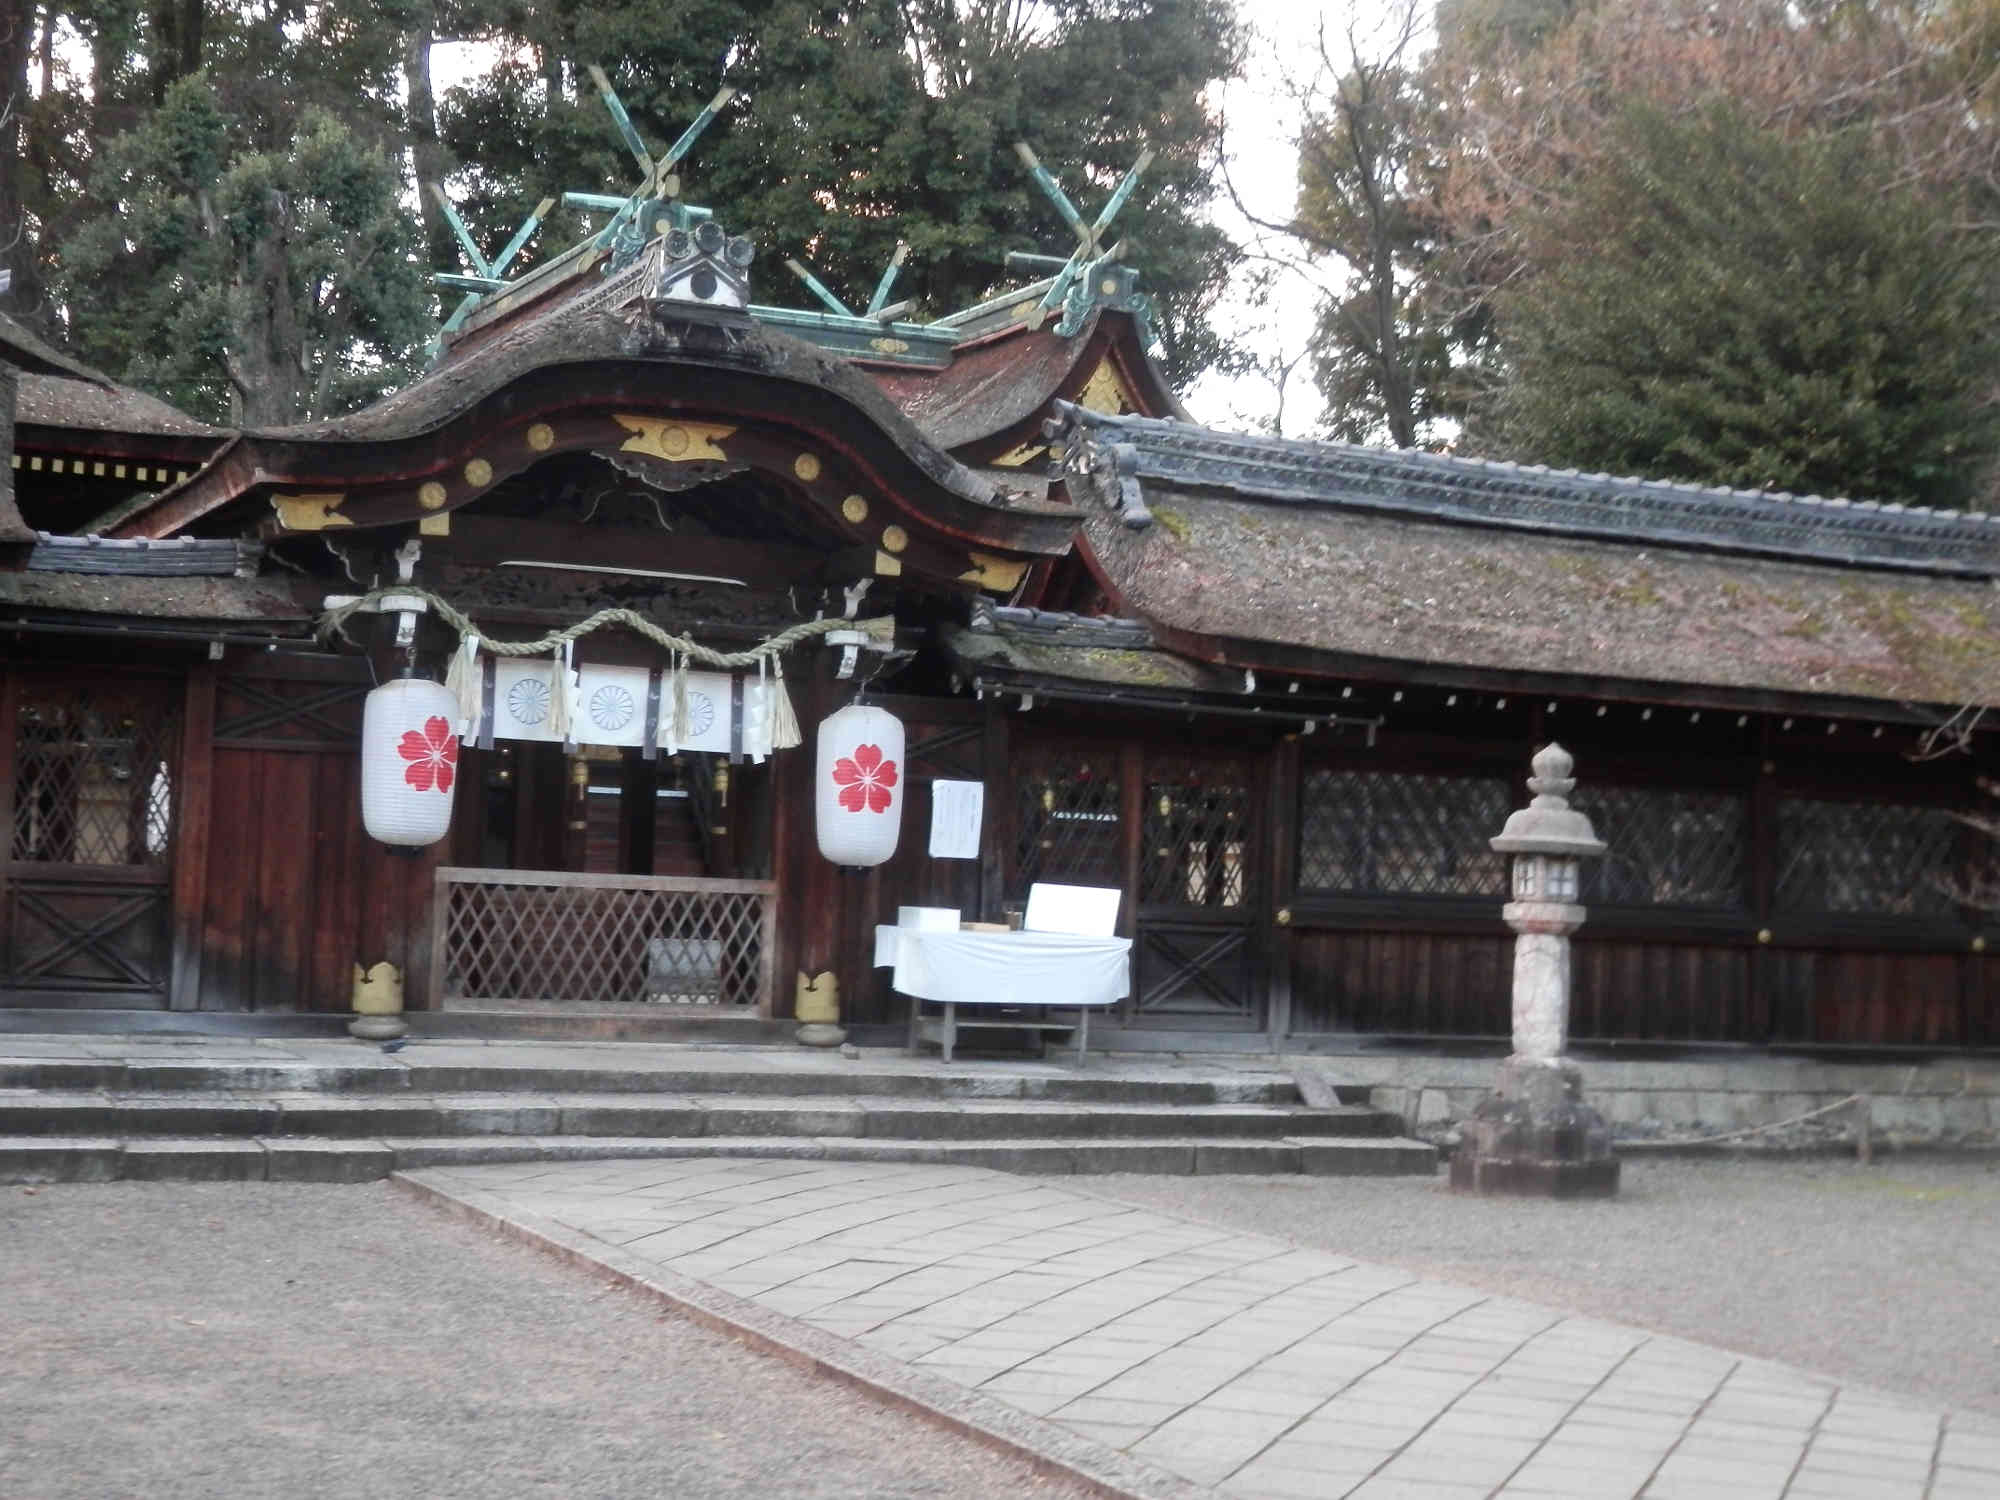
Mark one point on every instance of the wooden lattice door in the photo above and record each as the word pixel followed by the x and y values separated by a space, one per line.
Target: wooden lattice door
pixel 1195 959
pixel 1068 818
pixel 1178 833
pixel 87 787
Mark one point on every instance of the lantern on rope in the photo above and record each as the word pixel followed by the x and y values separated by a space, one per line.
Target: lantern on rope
pixel 409 762
pixel 858 788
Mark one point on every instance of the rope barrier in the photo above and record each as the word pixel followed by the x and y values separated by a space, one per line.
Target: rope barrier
pixel 1813 1114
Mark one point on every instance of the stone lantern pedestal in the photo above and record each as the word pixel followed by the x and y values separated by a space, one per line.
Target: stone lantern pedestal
pixel 1534 1135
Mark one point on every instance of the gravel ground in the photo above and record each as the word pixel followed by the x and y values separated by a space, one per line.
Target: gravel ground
pixel 1885 1276
pixel 177 1340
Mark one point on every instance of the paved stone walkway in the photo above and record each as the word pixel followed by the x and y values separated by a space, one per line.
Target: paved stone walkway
pixel 1164 1357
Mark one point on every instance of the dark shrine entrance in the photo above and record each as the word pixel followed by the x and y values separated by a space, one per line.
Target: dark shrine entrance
pixel 604 810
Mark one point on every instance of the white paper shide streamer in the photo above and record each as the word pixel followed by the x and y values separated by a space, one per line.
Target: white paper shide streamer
pixel 858 785
pixel 409 762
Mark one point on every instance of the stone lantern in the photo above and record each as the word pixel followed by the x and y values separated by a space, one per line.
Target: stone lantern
pixel 1534 1135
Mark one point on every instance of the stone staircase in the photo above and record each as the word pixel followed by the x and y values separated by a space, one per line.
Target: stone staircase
pixel 93 1120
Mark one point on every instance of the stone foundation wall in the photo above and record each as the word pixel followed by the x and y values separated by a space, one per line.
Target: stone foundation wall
pixel 1943 1103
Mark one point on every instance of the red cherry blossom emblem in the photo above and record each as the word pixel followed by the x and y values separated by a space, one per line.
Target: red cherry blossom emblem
pixel 432 755
pixel 865 780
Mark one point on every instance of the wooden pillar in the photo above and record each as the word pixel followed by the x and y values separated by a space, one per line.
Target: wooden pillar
pixel 996 826
pixel 1281 822
pixel 575 825
pixel 418 914
pixel 193 816
pixel 467 839
pixel 725 798
pixel 1763 1023
pixel 809 890
pixel 10 724
pixel 1132 827
pixel 862 906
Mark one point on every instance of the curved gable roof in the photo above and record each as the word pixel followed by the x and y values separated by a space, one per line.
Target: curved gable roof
pixel 593 357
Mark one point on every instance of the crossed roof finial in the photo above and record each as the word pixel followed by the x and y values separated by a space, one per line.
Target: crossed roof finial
pixel 633 217
pixel 878 307
pixel 1090 252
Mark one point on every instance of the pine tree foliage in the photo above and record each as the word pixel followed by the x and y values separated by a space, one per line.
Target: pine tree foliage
pixel 1722 304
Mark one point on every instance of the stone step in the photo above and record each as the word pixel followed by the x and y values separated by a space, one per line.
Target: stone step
pixel 345 1116
pixel 47 1159
pixel 374 1073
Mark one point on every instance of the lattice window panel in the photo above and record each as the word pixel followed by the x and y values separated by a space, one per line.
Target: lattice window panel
pixel 1667 847
pixel 1378 833
pixel 1067 821
pixel 1866 857
pixel 1196 833
pixel 93 775
pixel 537 942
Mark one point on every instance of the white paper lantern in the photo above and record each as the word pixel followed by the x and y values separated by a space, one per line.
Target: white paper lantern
pixel 409 762
pixel 858 788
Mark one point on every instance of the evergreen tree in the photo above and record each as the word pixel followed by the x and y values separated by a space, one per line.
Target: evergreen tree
pixel 1720 304
pixel 244 270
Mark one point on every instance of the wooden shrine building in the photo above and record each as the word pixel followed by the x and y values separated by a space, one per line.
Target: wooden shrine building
pixel 1279 693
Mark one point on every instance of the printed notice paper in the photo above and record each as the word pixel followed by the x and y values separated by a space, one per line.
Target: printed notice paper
pixel 956 807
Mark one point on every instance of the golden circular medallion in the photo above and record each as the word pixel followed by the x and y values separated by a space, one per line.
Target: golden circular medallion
pixel 430 495
pixel 894 539
pixel 855 509
pixel 541 437
pixel 479 472
pixel 806 466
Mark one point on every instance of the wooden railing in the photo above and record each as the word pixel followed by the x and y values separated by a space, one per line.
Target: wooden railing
pixel 526 935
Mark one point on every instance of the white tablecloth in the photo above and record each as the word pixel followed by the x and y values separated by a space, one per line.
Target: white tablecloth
pixel 1006 968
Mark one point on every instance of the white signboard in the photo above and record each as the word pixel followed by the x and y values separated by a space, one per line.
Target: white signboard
pixel 956 808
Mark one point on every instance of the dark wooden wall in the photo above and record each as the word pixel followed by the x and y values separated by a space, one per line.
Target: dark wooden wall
pixel 1757 969
pixel 295 892
pixel 1412 982
pixel 273 892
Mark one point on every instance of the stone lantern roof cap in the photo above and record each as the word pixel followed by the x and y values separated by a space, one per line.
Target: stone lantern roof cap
pixel 1549 825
